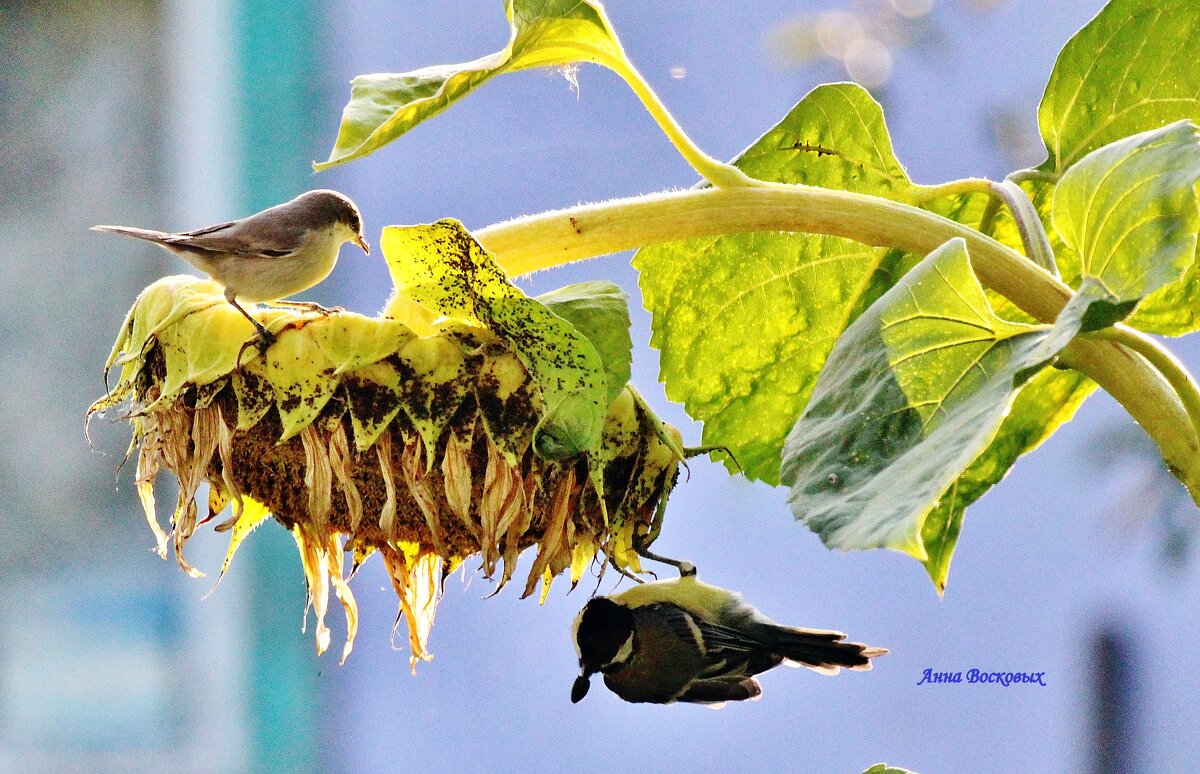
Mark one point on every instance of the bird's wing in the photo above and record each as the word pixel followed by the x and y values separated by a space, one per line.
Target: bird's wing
pixel 209 229
pixel 822 650
pixel 681 624
pixel 666 656
pixel 730 654
pixel 720 652
pixel 717 692
pixel 235 237
pixel 711 637
pixel 718 637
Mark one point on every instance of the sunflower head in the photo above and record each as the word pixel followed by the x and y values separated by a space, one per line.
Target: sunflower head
pixel 498 429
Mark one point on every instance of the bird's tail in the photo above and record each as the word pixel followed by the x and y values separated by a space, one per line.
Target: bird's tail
pixel 822 651
pixel 158 237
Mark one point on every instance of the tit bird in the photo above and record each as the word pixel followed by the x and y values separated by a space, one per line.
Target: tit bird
pixel 683 640
pixel 270 255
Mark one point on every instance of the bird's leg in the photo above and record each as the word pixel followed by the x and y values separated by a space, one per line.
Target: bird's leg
pixel 643 539
pixel 265 337
pixel 625 572
pixel 685 567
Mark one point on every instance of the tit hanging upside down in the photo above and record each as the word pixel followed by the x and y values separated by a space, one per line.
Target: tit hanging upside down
pixel 683 640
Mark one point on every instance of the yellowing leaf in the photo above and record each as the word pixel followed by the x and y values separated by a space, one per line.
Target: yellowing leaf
pixel 543 33
pixel 745 321
pixel 444 269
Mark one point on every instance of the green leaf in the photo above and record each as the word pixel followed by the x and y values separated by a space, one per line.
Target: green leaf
pixel 600 311
pixel 443 268
pixel 1129 212
pixel 1135 67
pixel 1046 402
pixel 835 137
pixel 745 322
pixel 912 394
pixel 883 768
pixel 544 33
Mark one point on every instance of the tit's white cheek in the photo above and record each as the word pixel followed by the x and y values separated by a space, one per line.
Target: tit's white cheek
pixel 625 652
pixel 575 635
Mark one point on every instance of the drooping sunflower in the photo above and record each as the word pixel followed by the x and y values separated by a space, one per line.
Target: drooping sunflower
pixel 506 423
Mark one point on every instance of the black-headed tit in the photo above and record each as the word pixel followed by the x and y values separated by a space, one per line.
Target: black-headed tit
pixel 683 640
pixel 270 255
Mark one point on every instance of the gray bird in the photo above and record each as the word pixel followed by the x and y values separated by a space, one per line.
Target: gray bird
pixel 683 640
pixel 270 255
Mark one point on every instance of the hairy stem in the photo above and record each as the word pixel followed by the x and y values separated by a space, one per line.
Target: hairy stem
pixel 553 238
pixel 716 172
pixel 1021 175
pixel 1165 361
pixel 968 185
pixel 1029 222
pixel 987 221
pixel 1029 225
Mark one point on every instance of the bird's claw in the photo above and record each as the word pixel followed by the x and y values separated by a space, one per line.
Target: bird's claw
pixel 261 341
pixel 264 340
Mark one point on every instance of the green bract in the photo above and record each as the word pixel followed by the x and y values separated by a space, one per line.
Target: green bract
pixel 600 311
pixel 444 269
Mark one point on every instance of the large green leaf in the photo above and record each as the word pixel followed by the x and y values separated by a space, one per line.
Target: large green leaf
pixel 544 33
pixel 1135 67
pixel 912 394
pixel 443 268
pixel 599 310
pixel 745 322
pixel 1047 401
pixel 1129 212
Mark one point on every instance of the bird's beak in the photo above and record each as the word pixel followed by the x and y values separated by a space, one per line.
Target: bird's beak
pixel 580 688
pixel 361 241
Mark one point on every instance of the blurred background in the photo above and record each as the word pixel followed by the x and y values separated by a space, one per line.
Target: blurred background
pixel 178 113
